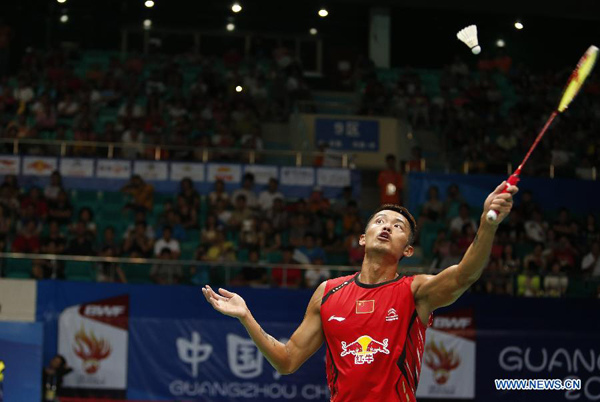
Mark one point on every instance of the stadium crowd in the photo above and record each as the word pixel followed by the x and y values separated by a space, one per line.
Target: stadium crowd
pixel 189 101
pixel 532 255
pixel 490 115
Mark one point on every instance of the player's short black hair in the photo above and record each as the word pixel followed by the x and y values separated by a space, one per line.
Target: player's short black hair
pixel 402 211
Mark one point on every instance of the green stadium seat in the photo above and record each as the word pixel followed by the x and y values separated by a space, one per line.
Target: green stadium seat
pixel 274 257
pixel 137 273
pixel 79 271
pixel 17 268
pixel 188 249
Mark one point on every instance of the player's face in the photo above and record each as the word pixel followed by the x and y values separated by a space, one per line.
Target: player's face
pixel 389 232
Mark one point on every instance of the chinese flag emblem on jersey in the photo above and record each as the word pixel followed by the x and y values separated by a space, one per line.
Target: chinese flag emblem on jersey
pixel 365 306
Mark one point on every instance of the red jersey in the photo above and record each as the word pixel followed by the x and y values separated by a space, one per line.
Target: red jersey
pixel 374 339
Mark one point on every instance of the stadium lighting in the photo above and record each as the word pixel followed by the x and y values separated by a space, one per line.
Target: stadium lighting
pixel 149 3
pixel 230 27
pixel 64 18
pixel 519 25
pixel 323 13
pixel 61 1
pixel 313 31
pixel 147 24
pixel 236 7
pixel 239 88
pixel 500 43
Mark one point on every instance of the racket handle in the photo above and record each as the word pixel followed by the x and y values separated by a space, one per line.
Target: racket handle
pixel 514 178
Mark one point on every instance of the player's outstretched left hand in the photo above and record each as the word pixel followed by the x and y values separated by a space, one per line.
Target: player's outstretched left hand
pixel 500 202
pixel 226 302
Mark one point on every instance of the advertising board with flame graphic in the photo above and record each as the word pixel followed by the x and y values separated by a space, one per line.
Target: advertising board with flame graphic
pixel 90 350
pixel 448 369
pixel 93 338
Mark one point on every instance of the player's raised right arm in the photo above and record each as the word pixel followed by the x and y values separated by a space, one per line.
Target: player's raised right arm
pixel 285 358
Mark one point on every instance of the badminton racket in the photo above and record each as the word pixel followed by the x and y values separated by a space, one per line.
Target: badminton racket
pixel 576 80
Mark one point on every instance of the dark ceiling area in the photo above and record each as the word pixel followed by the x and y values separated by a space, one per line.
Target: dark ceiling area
pixel 423 31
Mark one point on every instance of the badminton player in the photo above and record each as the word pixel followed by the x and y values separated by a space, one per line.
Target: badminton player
pixel 374 322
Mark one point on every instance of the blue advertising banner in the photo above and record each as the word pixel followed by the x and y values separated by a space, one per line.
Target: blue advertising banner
pixel 550 194
pixel 20 361
pixel 215 361
pixel 348 134
pixel 181 349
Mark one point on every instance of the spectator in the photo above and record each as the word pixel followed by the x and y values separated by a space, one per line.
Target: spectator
pixel 5 227
pixel 221 250
pixel 536 261
pixel 166 274
pixel 590 264
pixel 247 190
pixel 81 243
pixel 86 216
pixel 314 276
pixel 277 215
pixel 390 182
pixel 433 208
pixel 536 228
pixel 461 220
pixel 453 257
pixel 35 199
pixel 467 235
pixel 139 217
pixel 528 284
pixel 556 282
pixel 309 251
pixel 187 215
pixel 298 229
pixel 565 254
pixel 54 235
pixel 248 235
pixel 208 234
pixel 218 194
pixel 330 240
pixel 440 251
pixel 53 188
pixel 351 216
pixel 356 252
pixel 138 244
pixel 292 277
pixel 453 202
pixel 109 271
pixel 52 377
pixel 28 240
pixel 142 194
pixel 189 193
pixel 51 269
pixel 266 197
pixel 9 201
pixel 109 240
pixel 61 209
pixel 168 242
pixel 251 275
pixel 240 213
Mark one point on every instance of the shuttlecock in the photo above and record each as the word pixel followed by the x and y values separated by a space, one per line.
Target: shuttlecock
pixel 468 36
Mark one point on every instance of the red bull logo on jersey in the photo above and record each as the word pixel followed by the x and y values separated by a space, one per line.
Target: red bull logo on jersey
pixel 364 349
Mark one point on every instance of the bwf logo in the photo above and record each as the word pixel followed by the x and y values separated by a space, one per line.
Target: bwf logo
pixel 193 352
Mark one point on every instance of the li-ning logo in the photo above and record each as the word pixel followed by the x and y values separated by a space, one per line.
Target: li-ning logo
pixel 392 315
pixel 193 352
pixel 364 348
